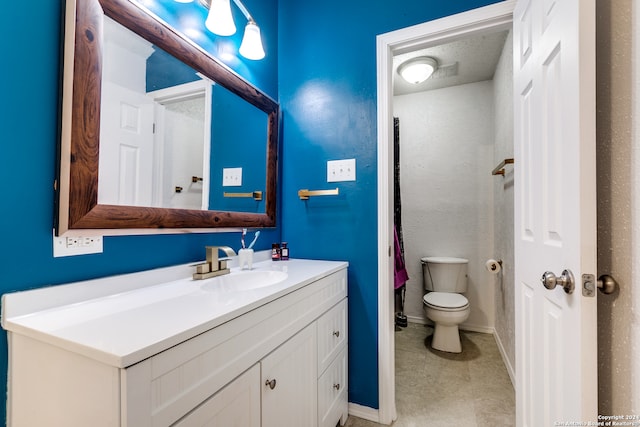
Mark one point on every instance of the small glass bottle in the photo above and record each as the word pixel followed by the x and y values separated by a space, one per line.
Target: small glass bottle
pixel 275 252
pixel 284 252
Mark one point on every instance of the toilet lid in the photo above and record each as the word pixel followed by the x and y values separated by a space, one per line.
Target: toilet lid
pixel 446 300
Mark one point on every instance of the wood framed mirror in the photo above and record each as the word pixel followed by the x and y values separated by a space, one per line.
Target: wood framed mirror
pixel 78 203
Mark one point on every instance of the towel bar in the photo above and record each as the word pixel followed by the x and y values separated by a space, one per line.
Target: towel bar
pixel 305 194
pixel 499 170
pixel 256 195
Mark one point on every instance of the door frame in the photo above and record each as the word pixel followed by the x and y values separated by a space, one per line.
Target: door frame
pixel 477 21
pixel 198 88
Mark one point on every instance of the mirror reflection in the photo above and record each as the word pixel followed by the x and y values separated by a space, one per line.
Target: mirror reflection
pixel 172 138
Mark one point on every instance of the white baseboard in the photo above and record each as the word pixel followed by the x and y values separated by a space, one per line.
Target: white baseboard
pixel 464 326
pixel 416 319
pixel 505 359
pixel 477 328
pixel 364 412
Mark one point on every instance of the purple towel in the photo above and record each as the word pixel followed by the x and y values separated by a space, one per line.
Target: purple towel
pixel 399 271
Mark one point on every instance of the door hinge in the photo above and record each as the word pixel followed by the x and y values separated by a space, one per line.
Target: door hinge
pixel 389 251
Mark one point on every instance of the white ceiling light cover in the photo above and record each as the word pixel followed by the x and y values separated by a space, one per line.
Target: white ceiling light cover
pixel 417 70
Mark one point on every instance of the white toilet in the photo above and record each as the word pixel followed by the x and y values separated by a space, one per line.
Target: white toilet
pixel 444 280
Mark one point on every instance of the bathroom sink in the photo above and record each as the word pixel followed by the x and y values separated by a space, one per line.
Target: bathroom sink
pixel 244 280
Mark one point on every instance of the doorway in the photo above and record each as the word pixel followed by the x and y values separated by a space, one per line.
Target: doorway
pixel 479 21
pixel 183 145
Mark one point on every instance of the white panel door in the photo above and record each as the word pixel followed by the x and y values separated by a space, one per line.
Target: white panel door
pixel 126 147
pixel 555 210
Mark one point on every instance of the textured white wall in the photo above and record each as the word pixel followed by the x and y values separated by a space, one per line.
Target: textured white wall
pixel 618 151
pixel 503 204
pixel 446 139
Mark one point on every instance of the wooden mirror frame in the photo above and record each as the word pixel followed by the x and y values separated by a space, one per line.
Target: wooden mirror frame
pixel 77 183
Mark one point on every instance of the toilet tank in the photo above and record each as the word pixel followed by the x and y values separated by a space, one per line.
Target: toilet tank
pixel 445 274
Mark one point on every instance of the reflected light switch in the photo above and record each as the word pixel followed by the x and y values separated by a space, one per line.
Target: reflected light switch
pixel 231 177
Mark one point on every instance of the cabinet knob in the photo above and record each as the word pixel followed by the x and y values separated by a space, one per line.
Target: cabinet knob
pixel 271 383
pixel 336 334
pixel 336 386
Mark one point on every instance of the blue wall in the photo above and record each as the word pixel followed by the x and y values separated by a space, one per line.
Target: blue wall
pixel 322 68
pixel 327 87
pixel 29 79
pixel 239 132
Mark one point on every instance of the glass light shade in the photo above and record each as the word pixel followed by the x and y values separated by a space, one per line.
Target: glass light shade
pixel 251 47
pixel 417 70
pixel 219 20
pixel 183 1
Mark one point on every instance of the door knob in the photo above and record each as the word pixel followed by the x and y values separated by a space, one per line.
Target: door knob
pixel 566 280
pixel 271 384
pixel 606 283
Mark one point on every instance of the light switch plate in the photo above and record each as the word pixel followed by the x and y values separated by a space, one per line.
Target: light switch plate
pixel 231 177
pixel 341 170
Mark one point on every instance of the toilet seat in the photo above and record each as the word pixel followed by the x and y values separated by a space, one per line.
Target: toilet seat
pixel 446 301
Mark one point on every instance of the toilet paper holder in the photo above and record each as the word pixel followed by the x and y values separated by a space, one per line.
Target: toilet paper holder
pixel 493 266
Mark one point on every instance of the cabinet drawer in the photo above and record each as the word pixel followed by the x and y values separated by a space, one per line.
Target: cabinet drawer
pixel 332 334
pixel 332 392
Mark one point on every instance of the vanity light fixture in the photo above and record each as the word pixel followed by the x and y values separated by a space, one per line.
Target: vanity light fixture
pixel 220 22
pixel 417 70
pixel 251 47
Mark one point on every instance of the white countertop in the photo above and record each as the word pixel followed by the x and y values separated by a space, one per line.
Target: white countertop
pixel 122 320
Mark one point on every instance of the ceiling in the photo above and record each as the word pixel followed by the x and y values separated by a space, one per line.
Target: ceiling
pixel 463 61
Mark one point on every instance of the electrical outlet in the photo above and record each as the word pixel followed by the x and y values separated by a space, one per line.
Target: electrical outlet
pixel 231 177
pixel 71 246
pixel 341 170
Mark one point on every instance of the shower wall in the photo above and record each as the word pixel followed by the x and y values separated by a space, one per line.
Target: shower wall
pixel 446 156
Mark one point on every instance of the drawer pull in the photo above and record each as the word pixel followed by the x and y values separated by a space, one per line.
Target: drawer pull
pixel 271 384
pixel 336 386
pixel 336 334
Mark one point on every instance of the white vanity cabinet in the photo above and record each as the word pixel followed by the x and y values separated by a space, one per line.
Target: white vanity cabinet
pixel 284 382
pixel 281 363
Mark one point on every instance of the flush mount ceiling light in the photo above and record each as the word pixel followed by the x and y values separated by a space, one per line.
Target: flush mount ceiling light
pixel 220 22
pixel 417 70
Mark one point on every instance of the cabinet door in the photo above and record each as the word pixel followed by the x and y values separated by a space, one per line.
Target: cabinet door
pixel 289 382
pixel 236 405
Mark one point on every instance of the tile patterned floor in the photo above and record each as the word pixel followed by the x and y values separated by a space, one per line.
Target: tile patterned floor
pixel 433 388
